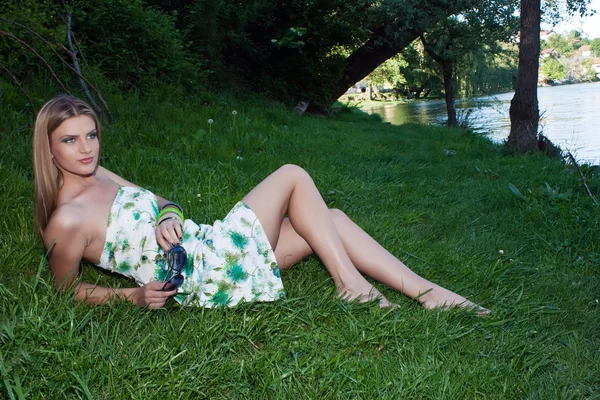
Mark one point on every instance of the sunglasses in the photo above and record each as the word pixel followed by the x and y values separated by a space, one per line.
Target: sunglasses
pixel 177 258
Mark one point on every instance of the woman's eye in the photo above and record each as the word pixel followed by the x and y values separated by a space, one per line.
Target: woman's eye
pixel 92 135
pixel 69 140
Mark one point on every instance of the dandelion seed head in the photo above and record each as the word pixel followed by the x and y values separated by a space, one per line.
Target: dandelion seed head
pixel 234 112
pixel 210 121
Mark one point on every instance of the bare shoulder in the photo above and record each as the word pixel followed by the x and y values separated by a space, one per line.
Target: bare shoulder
pixel 104 173
pixel 66 223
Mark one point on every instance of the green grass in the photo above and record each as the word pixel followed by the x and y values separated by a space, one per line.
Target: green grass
pixel 437 198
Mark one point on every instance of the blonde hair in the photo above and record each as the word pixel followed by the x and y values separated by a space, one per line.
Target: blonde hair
pixel 47 177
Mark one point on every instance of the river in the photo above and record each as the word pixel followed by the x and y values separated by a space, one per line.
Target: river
pixel 570 116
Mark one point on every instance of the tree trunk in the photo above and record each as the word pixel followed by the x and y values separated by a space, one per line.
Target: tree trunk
pixel 368 57
pixel 524 111
pixel 447 67
pixel 448 74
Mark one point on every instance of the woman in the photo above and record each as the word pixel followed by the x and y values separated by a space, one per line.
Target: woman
pixel 238 259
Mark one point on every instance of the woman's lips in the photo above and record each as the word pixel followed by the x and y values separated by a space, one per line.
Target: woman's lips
pixel 86 160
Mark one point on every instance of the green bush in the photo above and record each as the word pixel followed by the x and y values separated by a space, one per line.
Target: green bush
pixel 40 17
pixel 132 44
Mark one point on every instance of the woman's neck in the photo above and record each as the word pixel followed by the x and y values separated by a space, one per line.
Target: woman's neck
pixel 73 185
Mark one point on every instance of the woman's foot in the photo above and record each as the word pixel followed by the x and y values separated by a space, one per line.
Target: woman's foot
pixel 361 290
pixel 440 298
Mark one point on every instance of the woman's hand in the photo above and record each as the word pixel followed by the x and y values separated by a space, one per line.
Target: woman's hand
pixel 151 295
pixel 168 234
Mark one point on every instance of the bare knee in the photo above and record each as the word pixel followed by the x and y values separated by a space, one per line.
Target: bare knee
pixel 339 217
pixel 294 172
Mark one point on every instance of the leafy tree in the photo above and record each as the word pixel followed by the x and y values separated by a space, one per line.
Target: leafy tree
pixel 476 30
pixel 389 73
pixel 561 44
pixel 288 49
pixel 311 49
pixel 483 72
pixel 392 26
pixel 574 35
pixel 411 73
pixel 554 69
pixel 596 46
pixel 587 72
pixel 419 74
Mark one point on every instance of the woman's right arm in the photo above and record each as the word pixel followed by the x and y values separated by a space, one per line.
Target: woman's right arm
pixel 66 242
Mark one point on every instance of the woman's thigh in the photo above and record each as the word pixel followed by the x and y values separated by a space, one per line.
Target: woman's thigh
pixel 270 199
pixel 291 247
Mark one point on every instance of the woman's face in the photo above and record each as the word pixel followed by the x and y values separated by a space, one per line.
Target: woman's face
pixel 75 146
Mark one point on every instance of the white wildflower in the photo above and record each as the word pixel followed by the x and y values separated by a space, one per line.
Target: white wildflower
pixel 210 121
pixel 234 112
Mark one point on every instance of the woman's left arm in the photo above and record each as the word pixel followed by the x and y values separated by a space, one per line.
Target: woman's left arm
pixel 169 232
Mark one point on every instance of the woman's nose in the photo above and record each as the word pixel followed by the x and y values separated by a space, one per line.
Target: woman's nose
pixel 85 147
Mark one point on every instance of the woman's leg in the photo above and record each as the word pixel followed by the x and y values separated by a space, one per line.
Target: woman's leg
pixel 290 190
pixel 370 258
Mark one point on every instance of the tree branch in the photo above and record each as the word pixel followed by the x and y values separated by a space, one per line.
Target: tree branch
pixel 79 75
pixel 20 88
pixel 42 59
pixel 572 159
pixel 71 52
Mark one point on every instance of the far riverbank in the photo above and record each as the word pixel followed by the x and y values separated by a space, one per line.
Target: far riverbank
pixel 568 116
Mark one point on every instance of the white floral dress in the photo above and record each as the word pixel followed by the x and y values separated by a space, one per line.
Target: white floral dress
pixel 229 262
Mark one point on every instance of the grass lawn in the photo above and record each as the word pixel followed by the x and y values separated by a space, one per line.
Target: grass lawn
pixel 516 234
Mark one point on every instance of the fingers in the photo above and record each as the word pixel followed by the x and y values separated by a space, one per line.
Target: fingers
pixel 164 245
pixel 168 234
pixel 158 303
pixel 165 240
pixel 151 295
pixel 154 296
pixel 155 288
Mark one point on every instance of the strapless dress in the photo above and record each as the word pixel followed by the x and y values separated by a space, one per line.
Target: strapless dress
pixel 228 262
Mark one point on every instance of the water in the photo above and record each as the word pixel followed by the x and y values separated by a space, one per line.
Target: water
pixel 570 117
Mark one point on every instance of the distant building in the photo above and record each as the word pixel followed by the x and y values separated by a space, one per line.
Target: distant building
pixel 545 35
pixel 548 53
pixel 596 65
pixel 586 50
